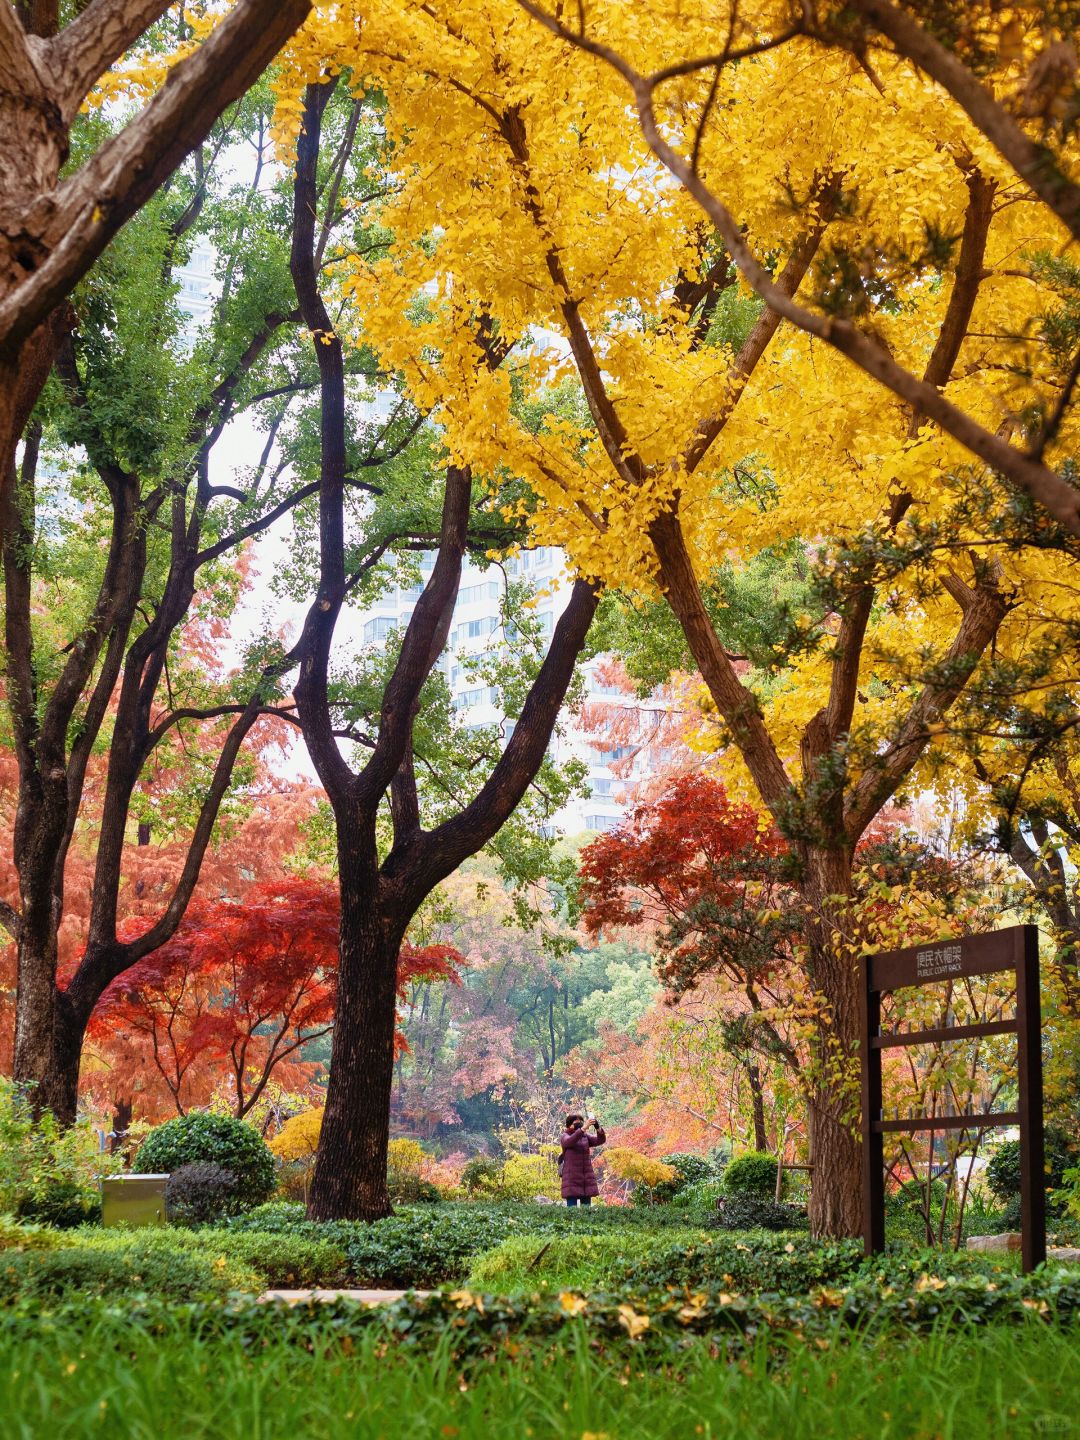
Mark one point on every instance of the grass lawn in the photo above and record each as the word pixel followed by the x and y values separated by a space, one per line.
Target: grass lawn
pixel 109 1379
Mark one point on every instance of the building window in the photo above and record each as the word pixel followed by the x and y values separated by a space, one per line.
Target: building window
pixel 377 629
pixel 601 822
pixel 489 590
pixel 609 757
pixel 476 629
pixel 469 699
pixel 602 786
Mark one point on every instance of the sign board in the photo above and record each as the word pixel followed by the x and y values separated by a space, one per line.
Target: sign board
pixel 1015 949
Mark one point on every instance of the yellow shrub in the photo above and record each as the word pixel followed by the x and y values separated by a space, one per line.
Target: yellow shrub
pixel 405 1156
pixel 298 1138
pixel 632 1165
pixel 524 1177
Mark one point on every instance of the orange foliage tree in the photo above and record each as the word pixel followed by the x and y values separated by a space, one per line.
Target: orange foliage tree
pixel 231 1002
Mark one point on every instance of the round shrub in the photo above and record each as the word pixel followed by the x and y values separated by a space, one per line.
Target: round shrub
pixel 212 1139
pixel 746 1211
pixel 701 1195
pixel 198 1193
pixel 753 1173
pixel 481 1175
pixel 690 1169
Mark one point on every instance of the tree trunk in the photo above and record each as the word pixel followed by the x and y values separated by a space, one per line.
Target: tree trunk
pixel 58 1088
pixel 121 1124
pixel 350 1169
pixel 34 1008
pixel 836 1190
pixel 757 1097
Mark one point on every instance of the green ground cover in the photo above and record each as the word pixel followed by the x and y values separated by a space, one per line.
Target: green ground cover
pixel 136 1380
pixel 614 1324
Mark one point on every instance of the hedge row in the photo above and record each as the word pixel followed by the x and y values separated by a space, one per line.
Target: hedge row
pixel 895 1297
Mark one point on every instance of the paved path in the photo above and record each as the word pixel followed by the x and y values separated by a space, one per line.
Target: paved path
pixel 365 1297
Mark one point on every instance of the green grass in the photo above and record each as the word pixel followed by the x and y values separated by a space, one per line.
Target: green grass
pixel 108 1379
pixel 526 1263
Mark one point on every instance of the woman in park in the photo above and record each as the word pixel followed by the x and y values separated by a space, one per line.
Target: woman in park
pixel 578 1178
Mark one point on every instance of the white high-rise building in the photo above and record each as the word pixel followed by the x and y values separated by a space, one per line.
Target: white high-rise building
pixel 195 278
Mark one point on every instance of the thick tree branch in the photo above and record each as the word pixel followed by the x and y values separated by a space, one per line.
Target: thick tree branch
pixel 823 200
pixel 969 275
pixel 415 866
pixel 92 205
pixel 425 636
pixel 94 41
pixel 983 608
pixel 737 704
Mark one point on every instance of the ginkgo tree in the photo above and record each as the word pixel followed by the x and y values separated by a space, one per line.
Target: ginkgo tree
pixel 529 195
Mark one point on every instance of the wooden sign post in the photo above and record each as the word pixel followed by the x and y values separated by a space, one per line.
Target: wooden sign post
pixel 1014 949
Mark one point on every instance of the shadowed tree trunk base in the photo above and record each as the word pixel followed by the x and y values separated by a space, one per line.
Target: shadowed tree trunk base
pixel 350 1170
pixel 836 1187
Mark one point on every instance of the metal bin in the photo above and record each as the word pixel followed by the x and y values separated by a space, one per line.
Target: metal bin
pixel 133 1200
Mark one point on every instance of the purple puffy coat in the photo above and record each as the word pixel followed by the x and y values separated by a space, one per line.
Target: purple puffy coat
pixel 578 1179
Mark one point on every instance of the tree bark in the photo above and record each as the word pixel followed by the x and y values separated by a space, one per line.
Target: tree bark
pixel 58 1087
pixel 757 1100
pixel 350 1168
pixel 836 1189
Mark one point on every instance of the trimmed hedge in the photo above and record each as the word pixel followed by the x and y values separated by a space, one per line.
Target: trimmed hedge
pixel 753 1173
pixel 745 1210
pixel 98 1268
pixel 204 1138
pixel 888 1300
pixel 421 1246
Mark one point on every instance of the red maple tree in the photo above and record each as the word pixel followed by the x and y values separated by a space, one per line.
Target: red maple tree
pixel 231 1002
pixel 702 873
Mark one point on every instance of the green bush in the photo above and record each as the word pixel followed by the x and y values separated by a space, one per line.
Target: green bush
pixel 1003 1171
pixel 64 1204
pixel 481 1175
pixel 127 1266
pixel 761 1263
pixel 249 1260
pixel 14 1236
pixel 700 1197
pixel 216 1139
pixel 48 1173
pixel 418 1246
pixel 281 1262
pixel 753 1173
pixel 745 1210
pixel 691 1170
